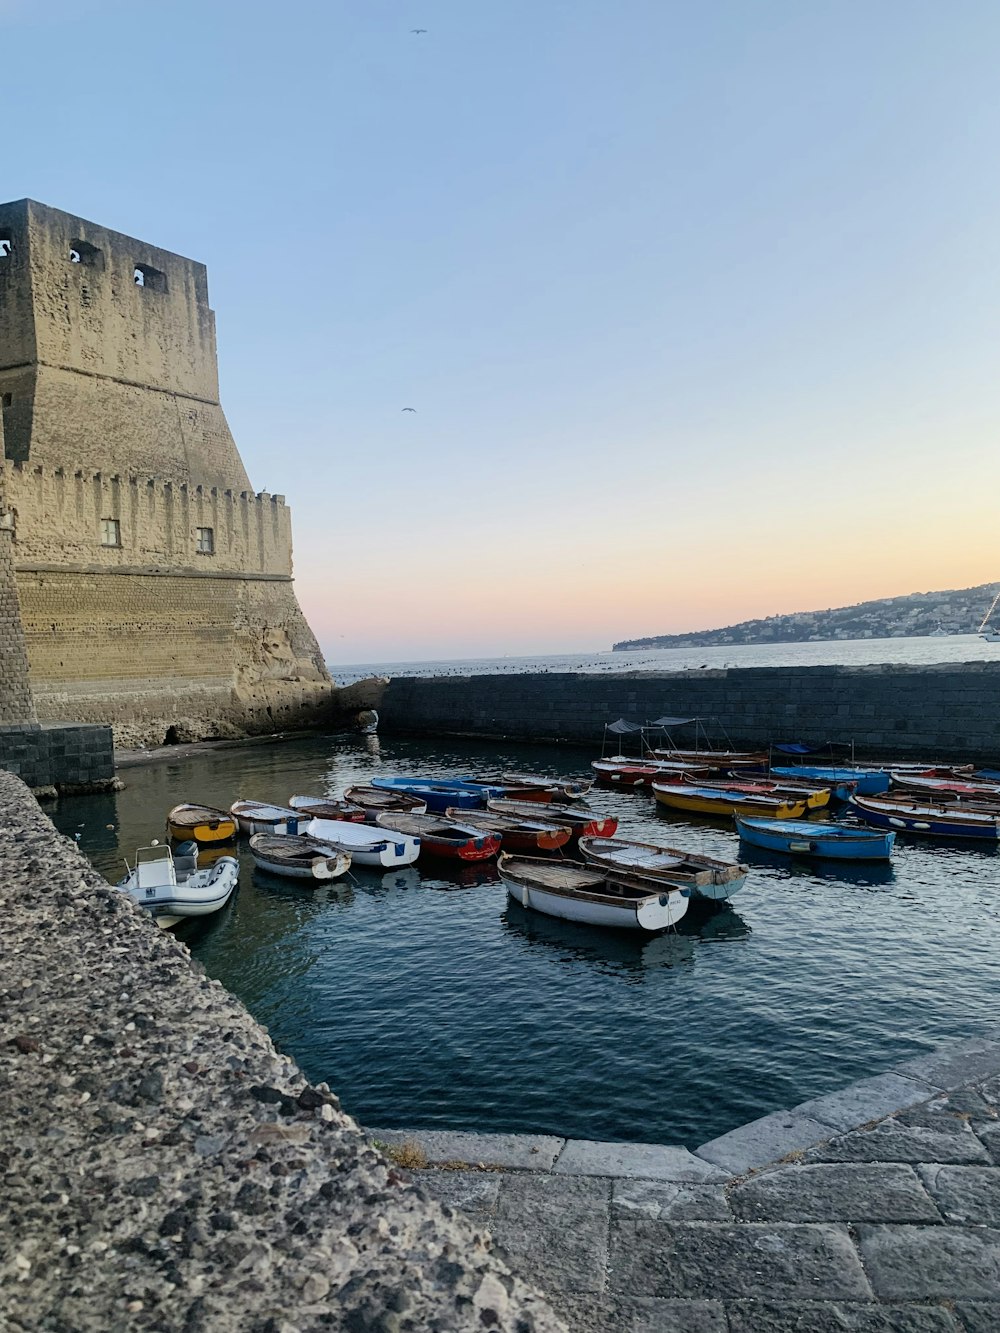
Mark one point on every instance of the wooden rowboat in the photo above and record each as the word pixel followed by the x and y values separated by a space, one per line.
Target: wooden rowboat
pixel 719 760
pixel 724 804
pixel 374 801
pixel 869 781
pixel 202 823
pixel 703 875
pixel 440 793
pixel 569 789
pixel 260 817
pixel 930 819
pixel 582 821
pixel 325 807
pixel 840 842
pixel 443 837
pixel 516 834
pixel 621 772
pixel 590 895
pixel 815 797
pixel 299 857
pixel 946 789
pixel 369 846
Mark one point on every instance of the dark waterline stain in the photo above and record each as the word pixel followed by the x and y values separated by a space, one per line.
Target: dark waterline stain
pixel 427 1000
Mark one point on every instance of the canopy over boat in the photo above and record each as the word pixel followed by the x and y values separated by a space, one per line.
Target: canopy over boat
pixel 590 895
pixel 299 856
pixel 703 875
pixel 836 841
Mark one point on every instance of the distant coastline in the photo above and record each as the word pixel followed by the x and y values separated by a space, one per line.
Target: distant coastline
pixel 916 615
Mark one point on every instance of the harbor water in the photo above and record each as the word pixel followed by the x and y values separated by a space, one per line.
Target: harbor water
pixel 426 999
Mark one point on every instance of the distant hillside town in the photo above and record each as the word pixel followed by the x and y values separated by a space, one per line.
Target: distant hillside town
pixel 959 611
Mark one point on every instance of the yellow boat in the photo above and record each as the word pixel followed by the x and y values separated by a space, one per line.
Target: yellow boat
pixel 815 797
pixel 726 803
pixel 206 825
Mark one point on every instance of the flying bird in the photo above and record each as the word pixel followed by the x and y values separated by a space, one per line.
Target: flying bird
pixel 418 31
pixel 409 409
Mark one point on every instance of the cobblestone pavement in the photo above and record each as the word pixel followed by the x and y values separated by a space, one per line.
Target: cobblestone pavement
pixel 834 1217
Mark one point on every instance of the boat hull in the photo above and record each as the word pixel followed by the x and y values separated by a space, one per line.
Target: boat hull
pixel 628 916
pixel 869 783
pixel 210 831
pixel 827 842
pixel 950 824
pixel 388 851
pixel 201 894
pixel 723 806
pixel 703 876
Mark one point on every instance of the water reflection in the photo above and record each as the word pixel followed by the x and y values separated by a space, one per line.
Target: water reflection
pixel 819 870
pixel 624 952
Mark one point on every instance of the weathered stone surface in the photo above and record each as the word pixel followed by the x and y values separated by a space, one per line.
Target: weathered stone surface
pixel 474 1193
pixel 762 1141
pixel 908 1263
pixel 979 1316
pixel 162 1165
pixel 555 1230
pixel 895 1142
pixel 962 1062
pixel 529 1152
pixel 838 1317
pixel 649 1161
pixel 867 1099
pixel 668 1200
pixel 836 1193
pixel 605 1314
pixel 967 1194
pixel 713 1261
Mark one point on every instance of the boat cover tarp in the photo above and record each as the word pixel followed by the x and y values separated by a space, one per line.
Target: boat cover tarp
pixel 800 747
pixel 672 721
pixel 622 728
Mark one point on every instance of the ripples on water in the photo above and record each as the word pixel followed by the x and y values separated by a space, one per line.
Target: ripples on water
pixel 425 999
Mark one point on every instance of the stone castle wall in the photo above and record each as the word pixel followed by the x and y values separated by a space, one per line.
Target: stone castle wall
pixel 16 704
pixel 119 468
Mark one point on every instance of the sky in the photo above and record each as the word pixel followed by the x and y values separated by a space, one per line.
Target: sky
pixel 697 302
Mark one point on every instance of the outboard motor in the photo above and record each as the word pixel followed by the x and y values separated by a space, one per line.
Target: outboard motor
pixel 185 859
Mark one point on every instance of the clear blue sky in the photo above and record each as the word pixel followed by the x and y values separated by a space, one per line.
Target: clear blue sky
pixel 698 303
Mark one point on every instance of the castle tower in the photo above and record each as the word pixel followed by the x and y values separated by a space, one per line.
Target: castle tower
pixel 155 587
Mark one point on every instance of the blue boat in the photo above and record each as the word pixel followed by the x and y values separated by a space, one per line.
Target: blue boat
pixel 839 842
pixel 442 793
pixel 870 781
pixel 963 819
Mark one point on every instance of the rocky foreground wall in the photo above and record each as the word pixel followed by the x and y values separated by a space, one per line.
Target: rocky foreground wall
pixel 947 712
pixel 164 1167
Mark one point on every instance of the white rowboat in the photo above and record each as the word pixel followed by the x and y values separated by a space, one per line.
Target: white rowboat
pixel 368 845
pixel 298 857
pixel 703 875
pixel 594 897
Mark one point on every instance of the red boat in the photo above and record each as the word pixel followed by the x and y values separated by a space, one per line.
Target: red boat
pixel 584 823
pixel 946 788
pixel 720 761
pixel 516 834
pixel 442 837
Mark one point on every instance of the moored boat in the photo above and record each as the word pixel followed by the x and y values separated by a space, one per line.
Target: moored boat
pixel 529 836
pixel 929 818
pixel 705 876
pixel 570 789
pixel 725 803
pixel 374 801
pixel 582 821
pixel 842 842
pixel 590 895
pixel 368 844
pixel 297 856
pixel 442 836
pixel 260 817
pixel 815 797
pixel 619 771
pixel 440 793
pixel 946 789
pixel 168 884
pixel 327 807
pixel 203 824
pixel 870 781
pixel 511 789
pixel 720 761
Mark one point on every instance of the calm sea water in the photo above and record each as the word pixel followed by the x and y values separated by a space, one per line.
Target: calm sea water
pixel 922 651
pixel 426 999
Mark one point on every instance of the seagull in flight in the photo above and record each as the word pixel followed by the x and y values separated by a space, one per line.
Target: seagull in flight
pixel 417 31
pixel 409 409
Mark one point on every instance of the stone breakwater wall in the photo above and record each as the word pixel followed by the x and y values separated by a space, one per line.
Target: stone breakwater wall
pixel 948 712
pixel 165 1167
pixel 58 756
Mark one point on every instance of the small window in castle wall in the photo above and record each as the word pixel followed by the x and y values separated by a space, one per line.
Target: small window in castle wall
pixel 81 252
pixel 111 532
pixel 206 540
pixel 6 245
pixel 150 279
pixel 6 399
